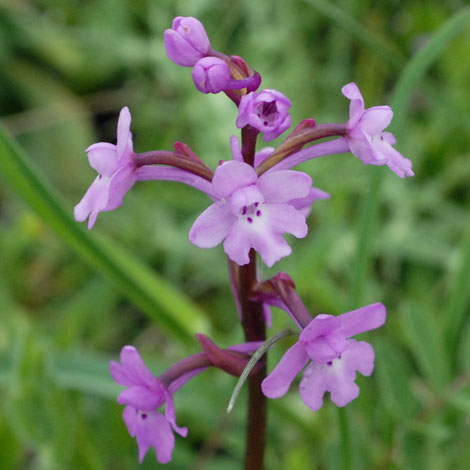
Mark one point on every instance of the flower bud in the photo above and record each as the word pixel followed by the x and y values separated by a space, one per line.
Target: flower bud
pixel 211 75
pixel 266 111
pixel 187 41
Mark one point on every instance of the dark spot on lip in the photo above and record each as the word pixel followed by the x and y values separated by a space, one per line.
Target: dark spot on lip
pixel 144 416
pixel 269 108
pixel 329 363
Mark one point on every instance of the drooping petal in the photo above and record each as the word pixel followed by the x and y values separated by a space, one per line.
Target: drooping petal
pixel 124 138
pixel 141 397
pixel 283 218
pixel 171 417
pixel 129 416
pixel 135 367
pixel 315 382
pixel 232 175
pixel 277 383
pixel 376 119
pixel 284 186
pixel 359 356
pixel 238 242
pixel 356 107
pixel 400 165
pixel 153 430
pixel 103 158
pixel 212 226
pixel 245 109
pixel 326 348
pixel 93 201
pixel 119 185
pixel 271 246
pixel 362 319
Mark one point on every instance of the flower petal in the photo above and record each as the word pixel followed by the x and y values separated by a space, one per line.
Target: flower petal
pixel 356 107
pixel 261 156
pixel 283 218
pixel 119 185
pixel 93 201
pixel 236 149
pixel 238 242
pixel 141 397
pixel 103 158
pixel 136 369
pixel 315 382
pixel 129 416
pixel 171 417
pixel 400 165
pixel 360 146
pixel 362 319
pixel 277 383
pixel 321 325
pixel 155 431
pixel 304 204
pixel 284 185
pixel 124 138
pixel 376 119
pixel 232 175
pixel 212 226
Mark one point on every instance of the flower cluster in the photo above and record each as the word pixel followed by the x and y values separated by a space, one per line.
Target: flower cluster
pixel 256 199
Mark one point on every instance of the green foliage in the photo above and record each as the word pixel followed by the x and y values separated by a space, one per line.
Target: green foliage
pixel 70 299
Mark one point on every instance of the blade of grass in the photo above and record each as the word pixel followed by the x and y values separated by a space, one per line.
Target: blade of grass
pixel 163 303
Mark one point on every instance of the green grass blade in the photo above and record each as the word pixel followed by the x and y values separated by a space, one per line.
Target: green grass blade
pixel 153 295
pixel 358 31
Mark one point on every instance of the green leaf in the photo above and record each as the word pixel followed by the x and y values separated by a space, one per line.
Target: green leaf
pixel 425 342
pixel 394 378
pixel 152 294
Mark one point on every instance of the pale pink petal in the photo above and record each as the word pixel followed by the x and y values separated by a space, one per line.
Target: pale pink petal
pixel 362 319
pixel 153 430
pixel 277 383
pixel 103 158
pixel 245 109
pixel 270 134
pixel 119 185
pixel 359 356
pixel 212 226
pixel 326 348
pixel 123 131
pixel 284 185
pixel 170 416
pixel 271 246
pixel 360 146
pixel 141 397
pixel 400 165
pixel 232 175
pixel 356 107
pixel 135 367
pixel 376 119
pixel 245 197
pixel 93 201
pixel 283 218
pixel 238 242
pixel 236 150
pixel 388 137
pixel 319 326
pixel 315 382
pixel 119 374
pixel 129 416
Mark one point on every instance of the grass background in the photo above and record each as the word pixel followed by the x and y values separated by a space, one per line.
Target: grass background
pixel 69 300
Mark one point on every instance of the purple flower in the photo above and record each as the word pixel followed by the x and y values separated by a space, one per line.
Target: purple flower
pixel 116 173
pixel 211 75
pixel 252 212
pixel 334 358
pixel 187 41
pixel 366 138
pixel 266 111
pixel 143 395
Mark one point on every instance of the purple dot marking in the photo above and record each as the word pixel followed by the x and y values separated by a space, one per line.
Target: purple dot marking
pixel 258 213
pixel 250 220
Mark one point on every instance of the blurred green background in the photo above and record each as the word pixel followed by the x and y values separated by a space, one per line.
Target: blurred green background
pixel 69 300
